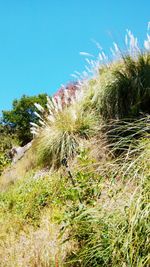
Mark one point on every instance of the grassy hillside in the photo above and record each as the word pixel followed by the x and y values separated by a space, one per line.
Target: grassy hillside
pixel 80 195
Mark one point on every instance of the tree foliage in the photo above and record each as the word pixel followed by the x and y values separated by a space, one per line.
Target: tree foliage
pixel 18 119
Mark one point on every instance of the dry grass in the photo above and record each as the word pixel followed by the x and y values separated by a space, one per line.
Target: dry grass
pixel 41 247
pixel 15 171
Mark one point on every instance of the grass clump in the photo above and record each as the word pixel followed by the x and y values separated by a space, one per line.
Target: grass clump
pixel 63 137
pixel 123 90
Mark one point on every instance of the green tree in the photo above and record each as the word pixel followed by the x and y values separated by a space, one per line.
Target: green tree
pixel 18 119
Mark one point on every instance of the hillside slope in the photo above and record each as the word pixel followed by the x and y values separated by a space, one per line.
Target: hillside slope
pixel 80 195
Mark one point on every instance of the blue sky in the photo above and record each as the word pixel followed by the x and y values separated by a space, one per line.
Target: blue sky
pixel 40 40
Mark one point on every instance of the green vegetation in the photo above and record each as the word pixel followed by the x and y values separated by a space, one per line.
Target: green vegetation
pixel 62 136
pixel 22 113
pixel 124 90
pixel 7 140
pixel 115 231
pixel 94 209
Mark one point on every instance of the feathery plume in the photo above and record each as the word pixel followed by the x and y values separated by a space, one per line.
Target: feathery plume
pixel 37 114
pixel 85 54
pixel 39 107
pixel 34 124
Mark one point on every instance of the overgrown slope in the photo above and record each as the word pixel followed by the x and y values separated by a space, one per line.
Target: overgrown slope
pixel 80 196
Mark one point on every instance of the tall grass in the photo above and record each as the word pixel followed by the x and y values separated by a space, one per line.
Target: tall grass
pixel 103 218
pixel 115 238
pixel 129 92
pixel 31 213
pixel 123 90
pixel 62 138
pixel 115 232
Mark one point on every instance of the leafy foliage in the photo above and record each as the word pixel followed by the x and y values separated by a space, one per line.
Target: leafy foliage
pixel 22 113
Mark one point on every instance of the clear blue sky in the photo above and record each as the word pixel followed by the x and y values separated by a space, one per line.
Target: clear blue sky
pixel 40 40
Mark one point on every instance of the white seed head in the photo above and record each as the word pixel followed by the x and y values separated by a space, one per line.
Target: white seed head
pixel 42 122
pixel 51 118
pixel 39 107
pixel 66 97
pixel 133 43
pixel 34 124
pixel 59 103
pixel 73 114
pixel 147 43
pixel 50 103
pixel 85 54
pixel 34 132
pixel 54 104
pixel 38 115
